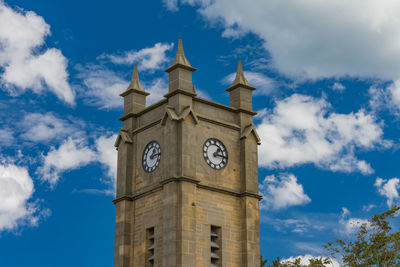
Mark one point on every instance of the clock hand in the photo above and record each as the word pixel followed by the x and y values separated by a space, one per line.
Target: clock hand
pixel 154 154
pixel 219 155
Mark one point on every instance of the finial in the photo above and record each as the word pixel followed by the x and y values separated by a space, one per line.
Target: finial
pixel 135 83
pixel 180 59
pixel 240 78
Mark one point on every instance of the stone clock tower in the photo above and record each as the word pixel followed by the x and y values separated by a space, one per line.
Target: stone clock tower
pixel 187 183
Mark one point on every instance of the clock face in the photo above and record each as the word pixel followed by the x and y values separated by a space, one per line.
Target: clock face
pixel 215 153
pixel 151 156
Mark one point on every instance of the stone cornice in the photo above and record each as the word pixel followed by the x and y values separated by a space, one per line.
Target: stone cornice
pixel 219 122
pixel 178 65
pixel 151 189
pixel 215 104
pixel 133 90
pixel 180 91
pixel 149 108
pixel 250 112
pixel 145 127
pixel 229 108
pixel 180 179
pixel 240 85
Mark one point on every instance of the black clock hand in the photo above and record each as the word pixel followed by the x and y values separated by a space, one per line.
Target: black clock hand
pixel 219 155
pixel 154 154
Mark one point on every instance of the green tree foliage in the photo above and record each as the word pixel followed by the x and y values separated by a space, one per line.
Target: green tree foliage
pixel 263 262
pixel 375 244
pixel 316 262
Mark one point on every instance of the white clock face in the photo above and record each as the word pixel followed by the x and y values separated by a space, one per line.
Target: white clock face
pixel 215 153
pixel 151 156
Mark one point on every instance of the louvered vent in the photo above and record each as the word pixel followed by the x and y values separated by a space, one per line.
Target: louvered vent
pixel 215 246
pixel 150 247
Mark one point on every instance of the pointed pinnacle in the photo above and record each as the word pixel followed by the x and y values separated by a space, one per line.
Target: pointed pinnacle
pixel 240 79
pixel 135 83
pixel 180 56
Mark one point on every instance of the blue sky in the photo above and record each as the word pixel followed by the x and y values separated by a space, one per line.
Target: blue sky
pixel 328 100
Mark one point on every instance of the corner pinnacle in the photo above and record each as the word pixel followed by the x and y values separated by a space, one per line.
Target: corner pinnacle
pixel 180 59
pixel 240 79
pixel 135 83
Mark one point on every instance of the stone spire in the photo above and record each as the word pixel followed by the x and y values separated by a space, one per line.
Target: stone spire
pixel 135 95
pixel 135 83
pixel 241 91
pixel 240 79
pixel 180 74
pixel 180 59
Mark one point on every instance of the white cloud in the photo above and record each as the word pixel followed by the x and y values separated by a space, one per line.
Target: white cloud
pixel 6 137
pixel 72 154
pixel 369 207
pixel 299 223
pixel 386 97
pixel 348 225
pixel 76 153
pixel 107 156
pixel 282 192
pixel 388 188
pixel 305 260
pixel 23 68
pixel 262 83
pixel 16 189
pixel 38 127
pixel 338 87
pixel 103 87
pixel 171 5
pixel 157 89
pixel 394 90
pixel 147 59
pixel 317 39
pixel 301 129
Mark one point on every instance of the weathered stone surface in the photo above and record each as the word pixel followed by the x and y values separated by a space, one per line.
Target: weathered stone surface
pixel 183 197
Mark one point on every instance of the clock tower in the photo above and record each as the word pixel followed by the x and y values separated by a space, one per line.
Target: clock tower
pixel 187 182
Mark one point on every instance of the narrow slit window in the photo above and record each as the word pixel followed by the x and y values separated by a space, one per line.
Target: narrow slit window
pixel 150 247
pixel 215 246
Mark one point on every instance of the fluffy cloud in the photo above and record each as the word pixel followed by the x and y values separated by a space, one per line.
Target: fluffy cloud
pixel 23 68
pixel 388 188
pixel 316 39
pixel 282 192
pixel 103 86
pixel 107 156
pixel 6 137
pixel 264 84
pixel 305 260
pixel 16 189
pixel 38 127
pixel 76 153
pixel 157 89
pixel 147 59
pixel 386 97
pixel 369 207
pixel 301 129
pixel 71 155
pixel 350 225
pixel 338 87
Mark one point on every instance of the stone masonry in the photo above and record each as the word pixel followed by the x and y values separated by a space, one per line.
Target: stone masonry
pixel 184 197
